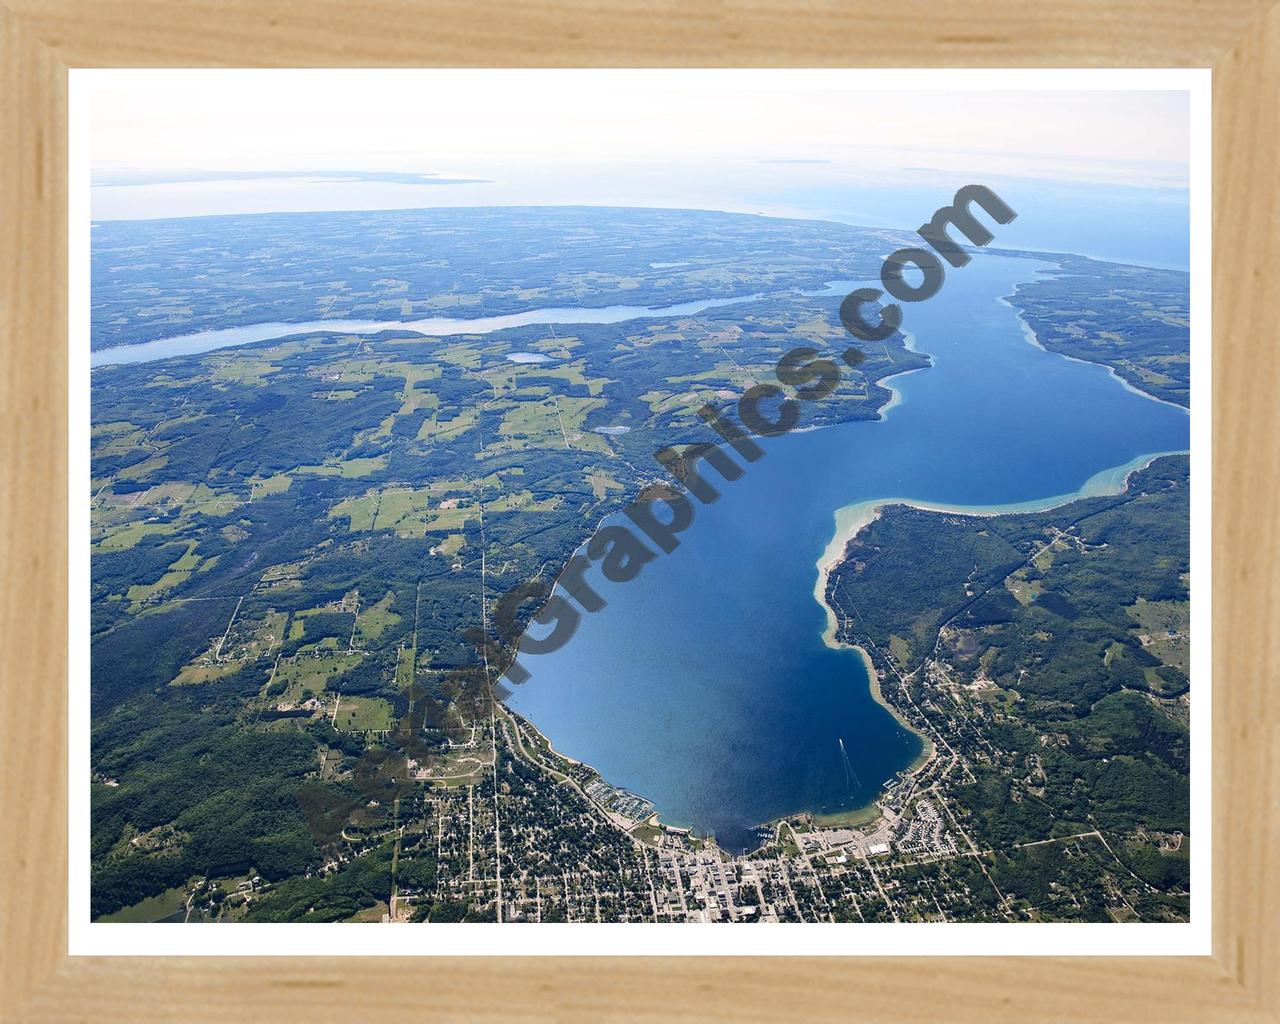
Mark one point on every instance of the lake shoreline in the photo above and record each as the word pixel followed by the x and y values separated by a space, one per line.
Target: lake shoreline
pixel 852 519
pixel 1028 333
pixel 196 343
pixel 869 813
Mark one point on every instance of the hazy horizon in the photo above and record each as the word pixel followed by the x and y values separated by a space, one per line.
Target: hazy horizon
pixel 1109 168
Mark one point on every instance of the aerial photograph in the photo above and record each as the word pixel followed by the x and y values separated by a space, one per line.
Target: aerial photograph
pixel 635 497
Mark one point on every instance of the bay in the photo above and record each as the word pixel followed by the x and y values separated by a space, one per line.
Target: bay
pixel 706 684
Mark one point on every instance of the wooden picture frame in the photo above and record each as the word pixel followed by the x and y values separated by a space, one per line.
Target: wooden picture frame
pixel 41 39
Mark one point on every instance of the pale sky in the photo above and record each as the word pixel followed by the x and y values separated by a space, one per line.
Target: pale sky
pixel 478 123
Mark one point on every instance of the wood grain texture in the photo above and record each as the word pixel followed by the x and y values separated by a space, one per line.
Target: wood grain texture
pixel 657 33
pixel 660 991
pixel 38 40
pixel 1246 550
pixel 33 511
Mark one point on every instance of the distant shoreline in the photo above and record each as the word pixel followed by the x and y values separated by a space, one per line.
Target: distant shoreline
pixel 1032 339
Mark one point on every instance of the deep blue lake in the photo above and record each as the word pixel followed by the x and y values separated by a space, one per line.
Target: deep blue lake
pixel 706 685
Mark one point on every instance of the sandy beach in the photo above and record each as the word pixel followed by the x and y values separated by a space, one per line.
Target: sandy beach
pixel 852 519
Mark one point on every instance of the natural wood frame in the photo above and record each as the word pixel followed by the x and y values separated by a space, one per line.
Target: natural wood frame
pixel 40 39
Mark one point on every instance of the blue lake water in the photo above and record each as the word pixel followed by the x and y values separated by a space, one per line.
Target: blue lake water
pixel 706 685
